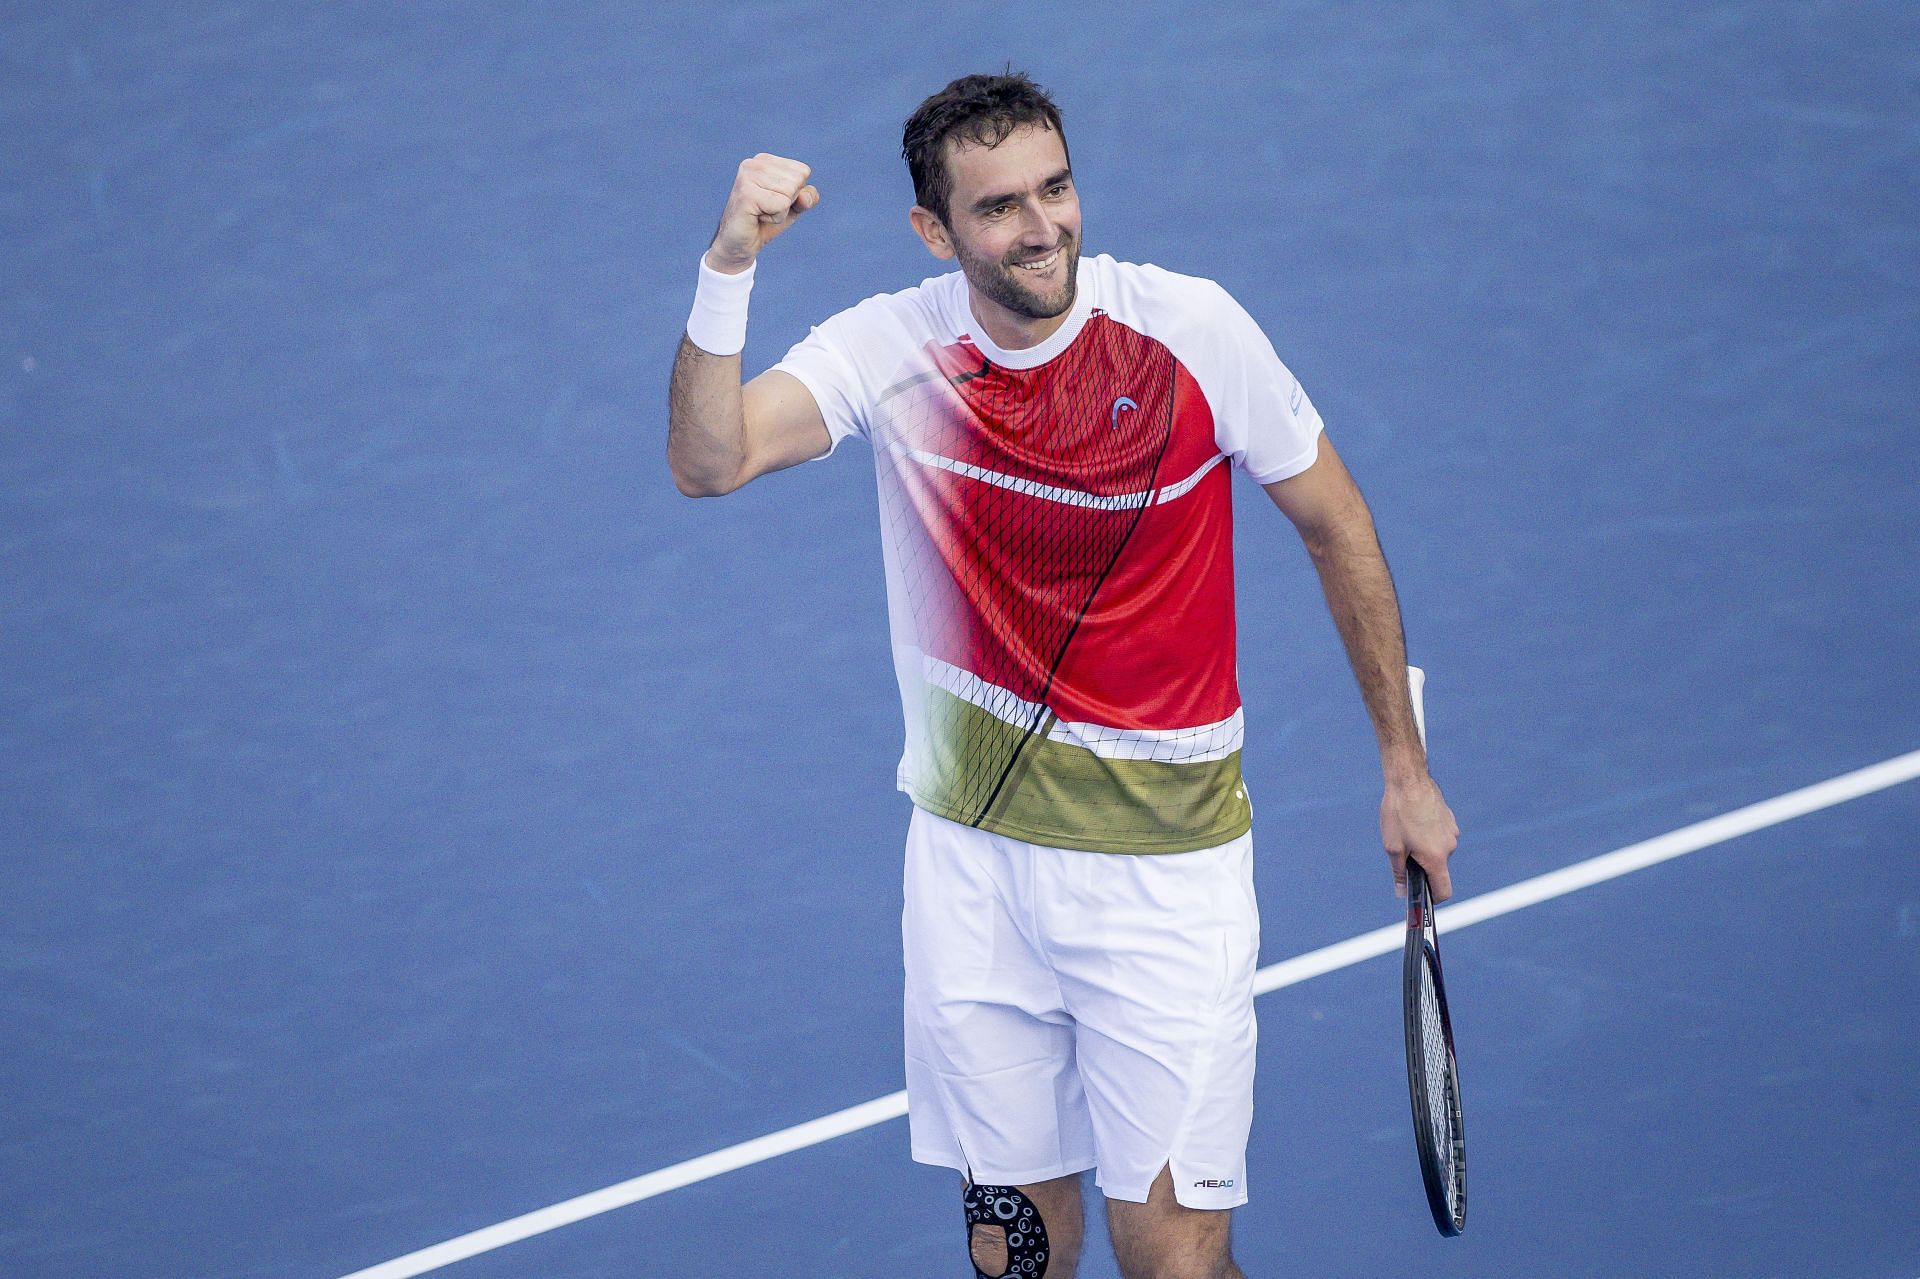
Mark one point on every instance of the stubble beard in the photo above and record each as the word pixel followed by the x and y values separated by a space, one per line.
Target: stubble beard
pixel 1000 281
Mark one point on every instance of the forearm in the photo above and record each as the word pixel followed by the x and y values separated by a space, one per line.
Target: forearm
pixel 1360 595
pixel 1326 507
pixel 706 422
pixel 708 444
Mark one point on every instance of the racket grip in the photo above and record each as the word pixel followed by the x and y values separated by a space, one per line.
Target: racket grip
pixel 1416 876
pixel 1416 685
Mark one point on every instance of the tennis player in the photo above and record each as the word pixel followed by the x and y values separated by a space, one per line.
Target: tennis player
pixel 1053 438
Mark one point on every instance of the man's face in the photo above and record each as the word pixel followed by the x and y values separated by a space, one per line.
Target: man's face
pixel 1014 221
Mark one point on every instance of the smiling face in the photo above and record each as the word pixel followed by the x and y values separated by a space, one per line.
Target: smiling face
pixel 1013 223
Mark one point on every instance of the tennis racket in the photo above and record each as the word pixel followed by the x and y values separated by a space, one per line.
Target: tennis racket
pixel 1433 1079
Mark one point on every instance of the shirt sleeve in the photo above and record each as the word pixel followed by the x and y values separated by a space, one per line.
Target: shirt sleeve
pixel 1263 422
pixel 825 363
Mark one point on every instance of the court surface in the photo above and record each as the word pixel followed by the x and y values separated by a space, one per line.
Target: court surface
pixel 417 814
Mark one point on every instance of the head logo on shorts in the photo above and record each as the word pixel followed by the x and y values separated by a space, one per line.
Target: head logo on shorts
pixel 1121 405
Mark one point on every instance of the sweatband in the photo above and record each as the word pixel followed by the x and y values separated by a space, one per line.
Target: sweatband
pixel 718 324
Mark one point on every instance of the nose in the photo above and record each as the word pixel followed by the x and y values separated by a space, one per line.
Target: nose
pixel 1038 230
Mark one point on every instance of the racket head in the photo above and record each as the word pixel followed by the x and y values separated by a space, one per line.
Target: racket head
pixel 1433 1080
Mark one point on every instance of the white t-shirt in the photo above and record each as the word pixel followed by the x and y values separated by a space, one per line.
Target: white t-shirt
pixel 1057 531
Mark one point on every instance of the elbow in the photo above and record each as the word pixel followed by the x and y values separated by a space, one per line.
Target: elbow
pixel 693 481
pixel 1345 522
pixel 1336 539
pixel 690 485
pixel 700 486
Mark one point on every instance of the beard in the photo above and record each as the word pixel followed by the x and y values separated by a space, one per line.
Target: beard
pixel 1007 284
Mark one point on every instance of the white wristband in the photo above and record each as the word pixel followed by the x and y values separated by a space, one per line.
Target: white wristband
pixel 718 324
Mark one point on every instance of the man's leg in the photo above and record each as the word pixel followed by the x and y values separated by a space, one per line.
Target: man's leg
pixel 1162 1239
pixel 1156 962
pixel 1059 1207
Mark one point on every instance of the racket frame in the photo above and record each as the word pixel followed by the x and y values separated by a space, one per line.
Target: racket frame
pixel 1423 955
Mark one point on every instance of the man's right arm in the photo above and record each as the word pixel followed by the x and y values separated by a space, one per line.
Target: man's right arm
pixel 721 434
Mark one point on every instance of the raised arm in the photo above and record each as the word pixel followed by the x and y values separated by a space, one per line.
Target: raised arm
pixel 721 434
pixel 1332 519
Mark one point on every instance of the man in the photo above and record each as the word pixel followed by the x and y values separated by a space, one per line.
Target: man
pixel 1080 929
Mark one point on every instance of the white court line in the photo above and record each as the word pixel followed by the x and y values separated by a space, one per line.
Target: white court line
pixel 1288 972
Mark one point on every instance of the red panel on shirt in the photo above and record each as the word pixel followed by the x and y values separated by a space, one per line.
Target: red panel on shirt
pixel 1118 617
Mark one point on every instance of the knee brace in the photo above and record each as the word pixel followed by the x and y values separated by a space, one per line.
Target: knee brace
pixel 1019 1220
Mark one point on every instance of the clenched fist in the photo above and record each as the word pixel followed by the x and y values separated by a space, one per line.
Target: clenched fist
pixel 769 192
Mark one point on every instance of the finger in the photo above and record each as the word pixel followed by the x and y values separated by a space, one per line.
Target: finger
pixel 775 223
pixel 768 201
pixel 777 173
pixel 799 169
pixel 781 206
pixel 793 175
pixel 767 198
pixel 1440 881
pixel 1398 862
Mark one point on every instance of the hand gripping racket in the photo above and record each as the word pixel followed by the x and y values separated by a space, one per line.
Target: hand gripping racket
pixel 1433 1079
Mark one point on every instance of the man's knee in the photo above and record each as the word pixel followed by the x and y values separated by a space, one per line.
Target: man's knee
pixel 987 1246
pixel 1006 1235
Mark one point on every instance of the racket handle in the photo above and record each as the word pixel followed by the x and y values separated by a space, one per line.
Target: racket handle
pixel 1416 685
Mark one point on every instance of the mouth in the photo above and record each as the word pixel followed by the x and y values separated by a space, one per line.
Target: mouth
pixel 1040 266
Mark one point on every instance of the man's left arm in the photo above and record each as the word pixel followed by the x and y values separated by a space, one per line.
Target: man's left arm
pixel 1332 519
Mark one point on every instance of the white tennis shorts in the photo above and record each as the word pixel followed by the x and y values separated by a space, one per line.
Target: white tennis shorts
pixel 1070 1010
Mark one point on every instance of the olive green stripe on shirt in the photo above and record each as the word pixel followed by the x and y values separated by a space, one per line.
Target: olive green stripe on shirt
pixel 1066 796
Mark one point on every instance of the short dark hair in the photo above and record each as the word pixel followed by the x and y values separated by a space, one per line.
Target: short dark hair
pixel 981 109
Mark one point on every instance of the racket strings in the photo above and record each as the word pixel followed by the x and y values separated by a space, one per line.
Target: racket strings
pixel 1443 1135
pixel 1435 1060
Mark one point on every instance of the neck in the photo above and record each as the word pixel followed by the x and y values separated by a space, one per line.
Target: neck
pixel 1010 330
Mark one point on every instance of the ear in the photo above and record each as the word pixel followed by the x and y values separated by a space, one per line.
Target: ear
pixel 932 232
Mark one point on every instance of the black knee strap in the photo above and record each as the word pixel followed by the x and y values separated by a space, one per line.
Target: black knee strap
pixel 1014 1213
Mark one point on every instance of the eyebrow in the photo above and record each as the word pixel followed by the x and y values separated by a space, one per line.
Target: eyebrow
pixel 986 202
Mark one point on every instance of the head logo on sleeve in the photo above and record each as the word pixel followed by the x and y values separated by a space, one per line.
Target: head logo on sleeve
pixel 1121 405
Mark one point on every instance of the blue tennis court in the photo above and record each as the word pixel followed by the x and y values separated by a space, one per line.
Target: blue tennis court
pixel 417 814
